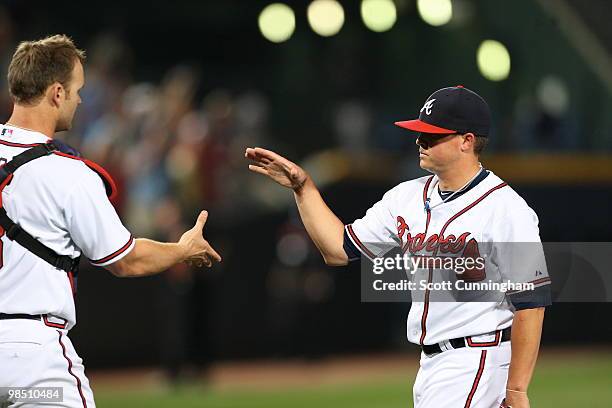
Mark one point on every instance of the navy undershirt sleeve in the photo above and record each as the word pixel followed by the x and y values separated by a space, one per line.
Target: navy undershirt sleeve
pixel 539 297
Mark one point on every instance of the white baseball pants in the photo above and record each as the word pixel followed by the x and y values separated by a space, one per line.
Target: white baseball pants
pixel 469 377
pixel 35 355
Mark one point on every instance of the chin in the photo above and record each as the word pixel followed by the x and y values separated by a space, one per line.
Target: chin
pixel 426 167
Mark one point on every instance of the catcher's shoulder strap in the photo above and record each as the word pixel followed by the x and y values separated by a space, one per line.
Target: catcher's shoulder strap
pixel 13 231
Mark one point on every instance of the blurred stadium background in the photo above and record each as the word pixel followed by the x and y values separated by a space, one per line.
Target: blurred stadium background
pixel 176 90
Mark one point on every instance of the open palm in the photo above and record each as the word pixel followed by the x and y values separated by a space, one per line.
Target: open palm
pixel 279 169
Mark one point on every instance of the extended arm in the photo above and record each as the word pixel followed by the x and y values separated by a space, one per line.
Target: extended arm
pixel 324 228
pixel 151 257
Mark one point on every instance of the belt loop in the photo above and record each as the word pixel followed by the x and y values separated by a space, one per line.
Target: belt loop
pixel 53 324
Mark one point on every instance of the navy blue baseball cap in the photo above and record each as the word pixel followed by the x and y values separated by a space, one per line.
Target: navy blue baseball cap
pixel 452 110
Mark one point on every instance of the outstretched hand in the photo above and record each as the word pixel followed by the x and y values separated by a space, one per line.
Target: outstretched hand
pixel 198 251
pixel 276 167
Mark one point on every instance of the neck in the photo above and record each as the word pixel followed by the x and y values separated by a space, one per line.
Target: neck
pixel 453 180
pixel 34 118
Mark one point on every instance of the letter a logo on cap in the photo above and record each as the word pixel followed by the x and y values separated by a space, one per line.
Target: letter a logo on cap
pixel 427 106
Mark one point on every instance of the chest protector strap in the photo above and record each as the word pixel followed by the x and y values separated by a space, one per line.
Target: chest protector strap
pixel 13 231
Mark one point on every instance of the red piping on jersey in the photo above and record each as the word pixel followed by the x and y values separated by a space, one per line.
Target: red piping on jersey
pixel 369 253
pixel 71 280
pixel 70 370
pixel 483 357
pixel 495 342
pixel 5 183
pixel 109 183
pixel 12 144
pixel 469 207
pixel 425 308
pixel 430 275
pixel 451 219
pixel 116 253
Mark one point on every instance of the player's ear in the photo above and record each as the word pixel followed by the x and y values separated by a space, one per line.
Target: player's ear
pixel 56 94
pixel 468 141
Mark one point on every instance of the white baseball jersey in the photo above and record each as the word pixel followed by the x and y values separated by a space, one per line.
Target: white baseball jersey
pixel 485 218
pixel 61 202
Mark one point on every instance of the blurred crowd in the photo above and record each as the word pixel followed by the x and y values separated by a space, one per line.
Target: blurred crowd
pixel 168 147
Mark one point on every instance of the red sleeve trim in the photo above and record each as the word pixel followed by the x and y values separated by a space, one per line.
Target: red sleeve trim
pixel 116 253
pixel 358 242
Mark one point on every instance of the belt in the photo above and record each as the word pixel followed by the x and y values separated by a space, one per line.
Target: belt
pixel 42 317
pixel 6 316
pixel 460 342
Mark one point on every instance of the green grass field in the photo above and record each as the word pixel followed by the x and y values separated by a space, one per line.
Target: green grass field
pixel 572 381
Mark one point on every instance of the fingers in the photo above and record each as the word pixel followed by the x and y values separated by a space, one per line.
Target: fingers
pixel 253 154
pixel 206 260
pixel 207 257
pixel 201 221
pixel 259 154
pixel 269 154
pixel 195 263
pixel 257 158
pixel 258 169
pixel 214 255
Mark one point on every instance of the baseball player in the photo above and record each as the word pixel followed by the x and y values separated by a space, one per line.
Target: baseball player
pixel 474 354
pixel 55 208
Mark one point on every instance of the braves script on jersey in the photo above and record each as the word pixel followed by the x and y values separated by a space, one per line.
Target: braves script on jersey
pixel 62 202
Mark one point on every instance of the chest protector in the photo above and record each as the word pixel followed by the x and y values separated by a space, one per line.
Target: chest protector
pixel 15 233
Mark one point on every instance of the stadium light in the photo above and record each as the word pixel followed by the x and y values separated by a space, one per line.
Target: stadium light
pixel 435 12
pixel 553 95
pixel 277 22
pixel 378 15
pixel 493 60
pixel 325 17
